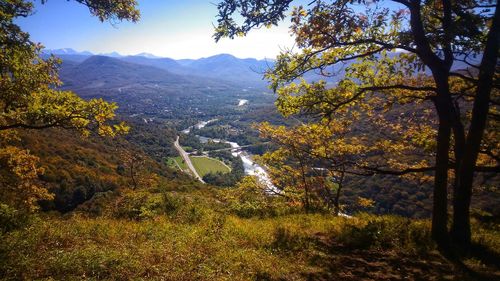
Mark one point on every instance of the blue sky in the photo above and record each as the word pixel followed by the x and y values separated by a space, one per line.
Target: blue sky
pixel 176 29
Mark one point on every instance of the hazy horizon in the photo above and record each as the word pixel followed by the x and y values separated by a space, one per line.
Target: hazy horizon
pixel 155 56
pixel 178 30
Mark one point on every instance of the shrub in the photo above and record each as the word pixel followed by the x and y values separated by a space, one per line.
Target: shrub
pixel 361 237
pixel 11 218
pixel 98 204
pixel 249 199
pixel 171 203
pixel 287 240
pixel 387 232
pixel 192 214
pixel 140 205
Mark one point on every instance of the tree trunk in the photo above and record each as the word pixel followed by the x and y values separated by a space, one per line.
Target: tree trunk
pixel 440 199
pixel 440 72
pixel 307 204
pixel 461 232
pixel 336 202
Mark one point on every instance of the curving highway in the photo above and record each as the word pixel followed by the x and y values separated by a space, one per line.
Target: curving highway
pixel 185 156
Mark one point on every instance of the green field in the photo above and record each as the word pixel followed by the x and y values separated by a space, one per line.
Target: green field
pixel 205 165
pixel 176 162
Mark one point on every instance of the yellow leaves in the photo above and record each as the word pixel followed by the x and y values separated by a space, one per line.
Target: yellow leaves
pixel 317 98
pixel 114 10
pixel 7 136
pixel 121 128
pixel 365 202
pixel 19 175
pixel 105 131
pixel 52 108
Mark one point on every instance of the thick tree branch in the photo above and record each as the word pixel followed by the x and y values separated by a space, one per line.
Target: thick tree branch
pixel 448 36
pixel 404 2
pixel 423 46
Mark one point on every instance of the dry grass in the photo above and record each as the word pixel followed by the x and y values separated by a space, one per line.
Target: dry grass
pixel 190 236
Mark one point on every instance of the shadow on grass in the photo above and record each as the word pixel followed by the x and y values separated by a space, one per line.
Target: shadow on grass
pixel 489 268
pixel 485 255
pixel 338 262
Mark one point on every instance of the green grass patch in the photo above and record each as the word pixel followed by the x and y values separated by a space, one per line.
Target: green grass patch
pixel 187 148
pixel 205 165
pixel 171 163
pixel 177 162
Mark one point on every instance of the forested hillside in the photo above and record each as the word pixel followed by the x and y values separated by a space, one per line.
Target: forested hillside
pixel 76 169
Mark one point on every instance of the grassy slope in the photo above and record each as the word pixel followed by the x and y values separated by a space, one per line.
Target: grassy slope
pixel 193 235
pixel 205 165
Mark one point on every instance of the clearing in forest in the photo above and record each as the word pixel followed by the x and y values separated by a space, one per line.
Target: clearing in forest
pixel 205 165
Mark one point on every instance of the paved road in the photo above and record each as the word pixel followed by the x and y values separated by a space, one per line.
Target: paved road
pixel 185 156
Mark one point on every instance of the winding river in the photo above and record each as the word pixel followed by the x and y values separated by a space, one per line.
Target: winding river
pixel 251 168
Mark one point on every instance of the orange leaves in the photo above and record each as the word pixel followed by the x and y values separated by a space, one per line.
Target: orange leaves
pixel 365 202
pixel 19 176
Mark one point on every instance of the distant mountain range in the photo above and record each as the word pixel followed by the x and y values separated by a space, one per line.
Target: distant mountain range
pixel 224 67
pixel 108 76
pixel 158 87
pixel 70 51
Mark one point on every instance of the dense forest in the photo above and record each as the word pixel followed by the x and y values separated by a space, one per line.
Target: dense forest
pixel 369 151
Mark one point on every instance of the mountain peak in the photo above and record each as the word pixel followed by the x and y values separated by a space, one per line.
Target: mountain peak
pixel 112 54
pixel 66 51
pixel 223 55
pixel 148 55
